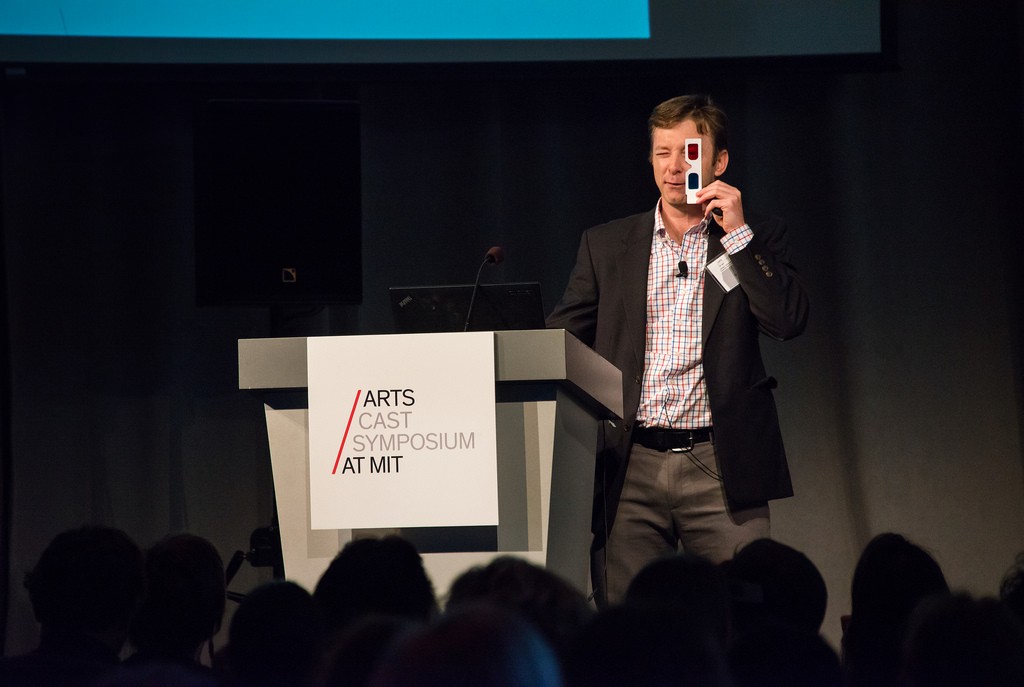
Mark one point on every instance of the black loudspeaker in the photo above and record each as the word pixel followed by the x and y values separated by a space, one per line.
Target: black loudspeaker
pixel 278 211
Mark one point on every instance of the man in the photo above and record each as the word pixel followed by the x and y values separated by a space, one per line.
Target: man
pixel 84 589
pixel 675 298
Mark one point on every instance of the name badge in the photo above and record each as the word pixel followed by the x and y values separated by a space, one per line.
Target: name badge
pixel 724 272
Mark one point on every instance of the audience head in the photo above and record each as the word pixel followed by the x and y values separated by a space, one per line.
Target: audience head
pixel 553 605
pixel 87 581
pixel 957 641
pixel 375 576
pixel 687 589
pixel 356 652
pixel 1011 590
pixel 892 576
pixel 479 645
pixel 184 601
pixel 154 674
pixel 783 655
pixel 772 582
pixel 630 645
pixel 275 638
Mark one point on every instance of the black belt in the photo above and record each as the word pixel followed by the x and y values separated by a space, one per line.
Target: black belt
pixel 661 439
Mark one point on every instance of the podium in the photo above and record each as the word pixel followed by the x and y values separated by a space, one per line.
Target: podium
pixel 552 392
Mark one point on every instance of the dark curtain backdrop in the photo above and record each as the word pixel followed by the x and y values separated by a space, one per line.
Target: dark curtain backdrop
pixel 900 404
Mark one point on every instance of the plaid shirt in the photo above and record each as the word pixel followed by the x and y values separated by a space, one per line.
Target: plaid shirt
pixel 674 393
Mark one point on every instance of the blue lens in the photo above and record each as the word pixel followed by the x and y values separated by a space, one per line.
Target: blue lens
pixel 693 181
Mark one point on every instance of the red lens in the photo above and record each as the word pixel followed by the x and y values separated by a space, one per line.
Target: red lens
pixel 692 151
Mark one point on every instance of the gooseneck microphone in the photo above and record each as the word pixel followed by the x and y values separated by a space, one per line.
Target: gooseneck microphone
pixel 494 255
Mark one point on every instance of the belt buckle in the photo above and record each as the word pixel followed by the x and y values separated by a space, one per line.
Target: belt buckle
pixel 684 449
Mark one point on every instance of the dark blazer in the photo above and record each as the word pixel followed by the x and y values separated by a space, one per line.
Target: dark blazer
pixel 605 306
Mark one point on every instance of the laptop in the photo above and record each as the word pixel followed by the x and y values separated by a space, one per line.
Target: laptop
pixel 497 307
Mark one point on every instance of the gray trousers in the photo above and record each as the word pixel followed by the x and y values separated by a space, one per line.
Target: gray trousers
pixel 671 501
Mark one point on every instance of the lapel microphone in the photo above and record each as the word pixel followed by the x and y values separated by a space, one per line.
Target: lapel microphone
pixel 683 270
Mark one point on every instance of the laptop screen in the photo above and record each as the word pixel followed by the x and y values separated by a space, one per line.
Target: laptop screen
pixel 497 307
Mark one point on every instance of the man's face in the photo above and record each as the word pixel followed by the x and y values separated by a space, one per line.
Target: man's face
pixel 668 158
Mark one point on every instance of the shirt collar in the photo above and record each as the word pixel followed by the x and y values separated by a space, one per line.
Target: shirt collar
pixel 659 224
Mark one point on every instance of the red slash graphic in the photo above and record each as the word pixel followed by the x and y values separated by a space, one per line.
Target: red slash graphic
pixel 341 448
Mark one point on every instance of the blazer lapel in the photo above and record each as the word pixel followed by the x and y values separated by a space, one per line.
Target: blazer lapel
pixel 713 293
pixel 634 264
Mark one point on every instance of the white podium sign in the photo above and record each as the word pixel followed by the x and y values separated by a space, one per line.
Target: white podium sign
pixel 402 431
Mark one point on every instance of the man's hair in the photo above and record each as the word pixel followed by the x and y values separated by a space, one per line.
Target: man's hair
pixel 184 600
pixel 88 579
pixel 375 576
pixel 709 118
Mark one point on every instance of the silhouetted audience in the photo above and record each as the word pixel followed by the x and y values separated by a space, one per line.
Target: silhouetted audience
pixel 183 606
pixel 957 641
pixel 685 589
pixel 375 576
pixel 629 645
pixel 779 654
pixel 84 589
pixel 479 646
pixel 1011 589
pixel 891 578
pixel 275 639
pixel 554 606
pixel 155 674
pixel 373 621
pixel 772 582
pixel 356 652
